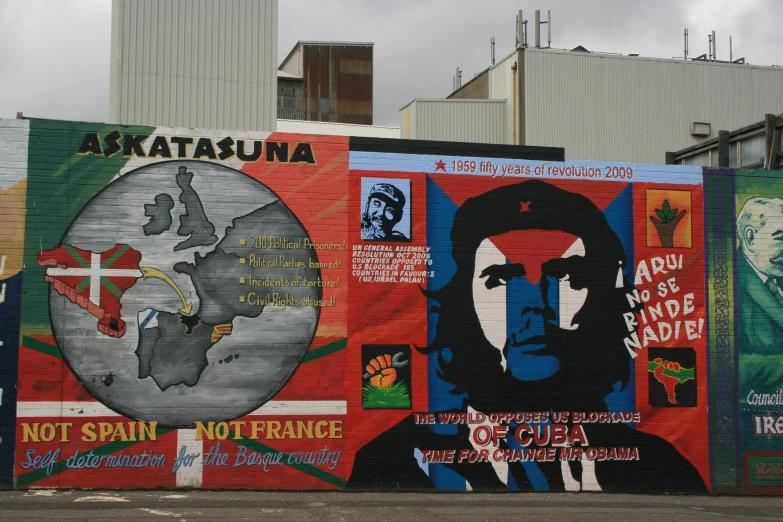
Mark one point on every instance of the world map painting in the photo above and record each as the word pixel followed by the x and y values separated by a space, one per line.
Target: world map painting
pixel 159 282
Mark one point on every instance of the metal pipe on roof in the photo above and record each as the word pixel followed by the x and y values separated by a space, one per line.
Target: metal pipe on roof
pixel 548 28
pixel 538 28
pixel 521 37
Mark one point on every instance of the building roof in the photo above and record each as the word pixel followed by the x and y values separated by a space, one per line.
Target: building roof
pixel 476 77
pixel 301 43
pixel 452 100
pixel 282 74
pixel 336 129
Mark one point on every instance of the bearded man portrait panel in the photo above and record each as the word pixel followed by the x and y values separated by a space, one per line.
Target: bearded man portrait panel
pixel 383 212
pixel 524 327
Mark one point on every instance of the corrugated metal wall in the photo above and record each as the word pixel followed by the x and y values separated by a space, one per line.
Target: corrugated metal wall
pixel 290 93
pixel 338 83
pixel 503 81
pixel 472 121
pixel 617 108
pixel 194 63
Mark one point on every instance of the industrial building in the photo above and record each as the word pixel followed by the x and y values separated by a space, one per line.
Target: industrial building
pixel 326 82
pixel 213 64
pixel 208 64
pixel 598 106
pixel 755 146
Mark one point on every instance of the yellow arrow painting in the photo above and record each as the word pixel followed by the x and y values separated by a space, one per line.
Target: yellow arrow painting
pixel 154 273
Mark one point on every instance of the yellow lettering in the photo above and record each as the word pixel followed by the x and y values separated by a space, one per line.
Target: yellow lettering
pixel 257 427
pixel 304 429
pixel 319 431
pixel 288 431
pixel 119 431
pixel 208 431
pixel 150 430
pixel 221 431
pixel 47 432
pixel 64 427
pixel 88 432
pixel 336 429
pixel 273 430
pixel 235 425
pixel 28 434
pixel 105 430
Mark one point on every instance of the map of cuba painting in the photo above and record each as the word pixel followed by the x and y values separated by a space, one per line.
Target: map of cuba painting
pixel 214 309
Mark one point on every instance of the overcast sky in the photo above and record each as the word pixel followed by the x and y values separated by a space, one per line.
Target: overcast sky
pixel 54 54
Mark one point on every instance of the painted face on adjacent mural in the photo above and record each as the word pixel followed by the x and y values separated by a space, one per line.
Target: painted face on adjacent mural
pixel 760 227
pixel 523 296
pixel 768 245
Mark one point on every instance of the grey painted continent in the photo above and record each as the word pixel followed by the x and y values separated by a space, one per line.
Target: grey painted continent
pixel 159 214
pixel 194 222
pixel 170 355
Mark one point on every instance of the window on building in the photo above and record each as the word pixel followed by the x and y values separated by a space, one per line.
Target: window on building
pixel 702 159
pixel 780 148
pixel 733 146
pixel 752 151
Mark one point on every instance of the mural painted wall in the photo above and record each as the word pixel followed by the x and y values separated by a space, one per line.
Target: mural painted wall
pixel 191 308
pixel 746 216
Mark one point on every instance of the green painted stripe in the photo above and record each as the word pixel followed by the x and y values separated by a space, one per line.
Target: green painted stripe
pixel 114 257
pixel 110 287
pixel 308 469
pixel 84 284
pixel 40 346
pixel 71 163
pixel 59 467
pixel 76 257
pixel 325 350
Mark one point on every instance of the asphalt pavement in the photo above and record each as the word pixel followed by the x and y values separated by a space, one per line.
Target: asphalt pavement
pixel 181 505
